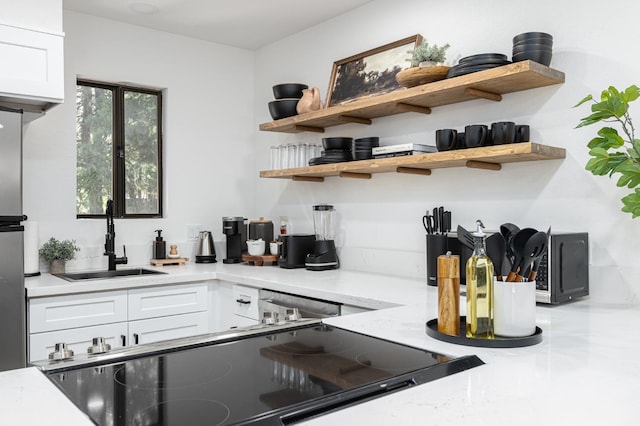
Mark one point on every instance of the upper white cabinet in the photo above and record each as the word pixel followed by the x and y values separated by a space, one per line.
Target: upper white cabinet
pixel 32 72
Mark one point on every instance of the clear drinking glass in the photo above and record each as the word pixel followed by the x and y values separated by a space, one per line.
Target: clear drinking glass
pixel 292 154
pixel 303 155
pixel 284 157
pixel 275 157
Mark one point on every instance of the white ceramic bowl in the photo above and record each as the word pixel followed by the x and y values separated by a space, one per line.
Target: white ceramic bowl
pixel 255 247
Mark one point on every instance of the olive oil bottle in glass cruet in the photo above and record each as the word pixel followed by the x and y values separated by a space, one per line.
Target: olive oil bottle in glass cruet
pixel 479 285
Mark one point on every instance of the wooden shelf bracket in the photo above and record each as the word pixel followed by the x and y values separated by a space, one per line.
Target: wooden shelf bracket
pixel 354 175
pixel 301 128
pixel 352 119
pixel 403 106
pixel 413 171
pixel 307 178
pixel 483 94
pixel 485 165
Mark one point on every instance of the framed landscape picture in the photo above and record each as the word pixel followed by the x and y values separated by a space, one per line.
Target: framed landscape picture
pixel 370 73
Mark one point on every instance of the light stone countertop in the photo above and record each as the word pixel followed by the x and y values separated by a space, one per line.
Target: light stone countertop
pixel 583 372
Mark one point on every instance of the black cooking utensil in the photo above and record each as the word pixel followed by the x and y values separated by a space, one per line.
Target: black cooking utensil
pixel 496 252
pixel 508 231
pixel 465 237
pixel 536 262
pixel 446 227
pixel 519 241
pixel 534 248
pixel 436 221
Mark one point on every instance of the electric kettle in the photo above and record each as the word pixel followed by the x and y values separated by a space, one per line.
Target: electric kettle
pixel 206 252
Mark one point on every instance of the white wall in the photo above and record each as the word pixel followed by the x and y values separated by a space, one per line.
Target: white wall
pixel 381 229
pixel 207 137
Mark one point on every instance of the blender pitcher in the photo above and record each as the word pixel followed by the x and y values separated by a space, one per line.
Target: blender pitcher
pixel 325 255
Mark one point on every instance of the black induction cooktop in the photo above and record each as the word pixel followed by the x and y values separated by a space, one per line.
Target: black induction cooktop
pixel 271 378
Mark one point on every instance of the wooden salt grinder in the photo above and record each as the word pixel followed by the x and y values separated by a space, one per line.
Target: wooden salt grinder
pixel 449 294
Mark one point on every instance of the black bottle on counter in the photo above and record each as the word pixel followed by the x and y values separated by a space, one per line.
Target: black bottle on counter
pixel 159 246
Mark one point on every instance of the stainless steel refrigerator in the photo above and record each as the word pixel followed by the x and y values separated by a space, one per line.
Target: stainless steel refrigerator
pixel 13 319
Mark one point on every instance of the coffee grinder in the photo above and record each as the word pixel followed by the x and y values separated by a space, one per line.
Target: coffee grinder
pixel 324 255
pixel 236 231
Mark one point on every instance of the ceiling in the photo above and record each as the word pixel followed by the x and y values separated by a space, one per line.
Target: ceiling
pixel 248 24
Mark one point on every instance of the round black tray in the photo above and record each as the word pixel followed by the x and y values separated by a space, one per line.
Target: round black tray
pixel 497 342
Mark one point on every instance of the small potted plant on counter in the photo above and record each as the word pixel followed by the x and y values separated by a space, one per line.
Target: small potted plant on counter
pixel 57 253
pixel 611 152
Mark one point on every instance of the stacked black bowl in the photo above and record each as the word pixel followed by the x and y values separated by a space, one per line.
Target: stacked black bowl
pixel 287 96
pixel 362 147
pixel 336 150
pixel 534 46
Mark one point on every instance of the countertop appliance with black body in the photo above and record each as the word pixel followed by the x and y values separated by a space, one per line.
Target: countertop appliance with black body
pixel 12 294
pixel 283 373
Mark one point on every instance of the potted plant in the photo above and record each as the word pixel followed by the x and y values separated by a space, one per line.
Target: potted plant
pixel 428 55
pixel 611 152
pixel 57 253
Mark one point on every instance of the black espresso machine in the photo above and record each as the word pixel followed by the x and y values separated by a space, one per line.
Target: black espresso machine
pixel 235 229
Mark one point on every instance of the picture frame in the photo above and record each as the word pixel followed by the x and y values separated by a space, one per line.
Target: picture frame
pixel 370 73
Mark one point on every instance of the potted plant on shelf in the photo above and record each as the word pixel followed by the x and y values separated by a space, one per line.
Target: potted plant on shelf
pixel 612 153
pixel 57 253
pixel 427 65
pixel 426 55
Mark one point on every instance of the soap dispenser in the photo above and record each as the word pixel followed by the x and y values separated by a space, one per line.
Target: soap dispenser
pixel 159 246
pixel 479 283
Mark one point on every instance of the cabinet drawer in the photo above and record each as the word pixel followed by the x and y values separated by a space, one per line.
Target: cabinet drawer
pixel 165 328
pixel 245 302
pixel 170 300
pixel 77 339
pixel 77 310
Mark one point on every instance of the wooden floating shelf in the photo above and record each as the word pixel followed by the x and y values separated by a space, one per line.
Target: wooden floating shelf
pixel 487 158
pixel 489 84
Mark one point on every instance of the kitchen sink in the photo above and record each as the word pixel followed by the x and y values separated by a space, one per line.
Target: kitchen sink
pixel 101 275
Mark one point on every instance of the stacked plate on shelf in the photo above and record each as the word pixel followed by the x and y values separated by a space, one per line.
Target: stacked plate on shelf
pixel 336 150
pixel 479 62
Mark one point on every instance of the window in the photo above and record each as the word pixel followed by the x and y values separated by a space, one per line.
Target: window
pixel 119 148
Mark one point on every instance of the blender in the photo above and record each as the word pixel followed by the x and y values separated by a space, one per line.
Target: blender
pixel 324 255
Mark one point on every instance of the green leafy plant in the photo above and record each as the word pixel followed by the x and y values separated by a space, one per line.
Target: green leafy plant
pixel 425 52
pixel 58 250
pixel 612 153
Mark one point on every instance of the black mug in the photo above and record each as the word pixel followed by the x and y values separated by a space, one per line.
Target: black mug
pixel 522 133
pixel 446 139
pixel 503 132
pixel 461 144
pixel 476 135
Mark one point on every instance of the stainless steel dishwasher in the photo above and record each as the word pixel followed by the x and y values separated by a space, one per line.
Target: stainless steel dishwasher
pixel 275 306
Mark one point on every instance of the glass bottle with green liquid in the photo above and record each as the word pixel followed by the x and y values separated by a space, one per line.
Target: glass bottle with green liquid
pixel 479 283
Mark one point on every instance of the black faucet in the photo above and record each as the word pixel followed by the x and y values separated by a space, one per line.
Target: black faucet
pixel 110 241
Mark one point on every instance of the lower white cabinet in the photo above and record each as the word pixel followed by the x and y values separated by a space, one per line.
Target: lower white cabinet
pixel 165 328
pixel 122 317
pixel 77 339
pixel 237 306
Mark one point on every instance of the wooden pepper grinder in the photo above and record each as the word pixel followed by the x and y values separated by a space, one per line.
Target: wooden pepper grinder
pixel 449 294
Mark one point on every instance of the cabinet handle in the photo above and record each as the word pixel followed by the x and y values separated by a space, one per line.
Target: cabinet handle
pixel 123 339
pixel 243 302
pixel 135 338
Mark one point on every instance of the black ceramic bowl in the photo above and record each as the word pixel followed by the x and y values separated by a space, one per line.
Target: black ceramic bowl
pixel 367 142
pixel 342 143
pixel 288 90
pixel 282 108
pixel 531 35
pixel 540 56
pixel 528 47
pixel 535 40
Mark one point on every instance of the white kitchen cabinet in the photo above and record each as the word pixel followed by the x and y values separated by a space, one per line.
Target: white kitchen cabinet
pixel 170 300
pixel 77 310
pixel 237 306
pixel 165 328
pixel 32 73
pixel 77 339
pixel 123 317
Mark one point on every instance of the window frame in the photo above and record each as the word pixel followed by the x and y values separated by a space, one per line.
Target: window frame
pixel 118 148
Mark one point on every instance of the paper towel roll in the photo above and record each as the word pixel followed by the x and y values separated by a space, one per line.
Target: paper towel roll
pixel 31 256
